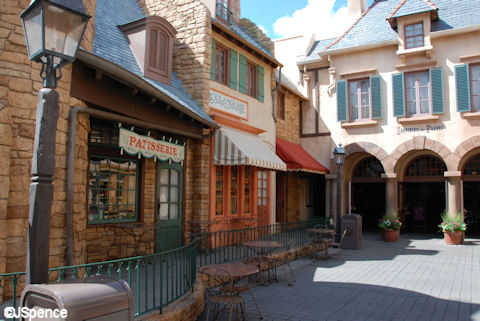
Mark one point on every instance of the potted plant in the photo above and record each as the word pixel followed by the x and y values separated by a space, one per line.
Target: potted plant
pixel 453 228
pixel 390 226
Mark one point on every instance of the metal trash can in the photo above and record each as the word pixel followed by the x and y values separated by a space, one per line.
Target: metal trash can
pixel 353 238
pixel 95 298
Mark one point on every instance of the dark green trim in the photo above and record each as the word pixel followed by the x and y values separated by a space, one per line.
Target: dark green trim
pixel 398 95
pixel 462 86
pixel 261 83
pixel 436 78
pixel 242 74
pixel 376 96
pixel 212 65
pixel 342 103
pixel 233 69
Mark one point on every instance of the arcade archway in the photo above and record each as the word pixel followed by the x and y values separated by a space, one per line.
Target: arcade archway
pixel 471 194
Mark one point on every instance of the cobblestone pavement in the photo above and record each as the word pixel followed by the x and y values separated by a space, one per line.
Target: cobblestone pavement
pixel 417 278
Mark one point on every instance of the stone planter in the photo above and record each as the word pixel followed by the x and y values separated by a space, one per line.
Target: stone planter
pixel 390 235
pixel 454 238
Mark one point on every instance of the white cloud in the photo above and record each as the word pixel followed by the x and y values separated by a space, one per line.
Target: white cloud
pixel 261 27
pixel 317 17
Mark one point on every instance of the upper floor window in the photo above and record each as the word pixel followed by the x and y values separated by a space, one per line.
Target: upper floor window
pixel 418 93
pixel 252 80
pixel 414 35
pixel 281 105
pixel 224 12
pixel 475 87
pixel 359 99
pixel 417 87
pixel 221 65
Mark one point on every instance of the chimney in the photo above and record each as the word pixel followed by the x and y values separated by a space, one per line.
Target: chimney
pixel 356 8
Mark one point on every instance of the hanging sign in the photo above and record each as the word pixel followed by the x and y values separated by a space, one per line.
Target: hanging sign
pixel 148 147
pixel 228 104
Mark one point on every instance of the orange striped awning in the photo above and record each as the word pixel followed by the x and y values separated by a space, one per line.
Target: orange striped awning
pixel 237 147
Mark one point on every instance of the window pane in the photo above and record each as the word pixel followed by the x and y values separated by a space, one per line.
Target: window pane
pixel 246 203
pixel 476 103
pixel 173 211
pixel 164 176
pixel 410 80
pixel 423 93
pixel 353 87
pixel 163 193
pixel 423 78
pixel 174 194
pixel 475 87
pixel 475 72
pixel 425 107
pixel 173 177
pixel 233 190
pixel 366 112
pixel 163 215
pixel 219 190
pixel 354 113
pixel 412 108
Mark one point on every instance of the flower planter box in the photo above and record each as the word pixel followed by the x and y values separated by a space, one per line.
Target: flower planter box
pixel 390 235
pixel 454 238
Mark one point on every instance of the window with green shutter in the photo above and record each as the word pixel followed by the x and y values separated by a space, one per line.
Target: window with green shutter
pixel 436 79
pixel 376 96
pixel 462 86
pixel 261 93
pixel 242 74
pixel 342 100
pixel 212 65
pixel 233 68
pixel 398 95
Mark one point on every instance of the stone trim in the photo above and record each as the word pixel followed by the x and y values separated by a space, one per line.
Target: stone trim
pixel 360 124
pixel 359 74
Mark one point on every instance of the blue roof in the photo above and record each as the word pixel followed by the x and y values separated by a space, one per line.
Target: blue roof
pixel 318 46
pixel 374 28
pixel 410 7
pixel 111 44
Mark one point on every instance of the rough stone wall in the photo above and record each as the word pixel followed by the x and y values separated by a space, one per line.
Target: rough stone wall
pixel 289 129
pixel 19 84
pixel 191 61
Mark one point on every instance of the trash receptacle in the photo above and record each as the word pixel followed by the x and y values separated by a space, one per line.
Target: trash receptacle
pixel 353 238
pixel 96 298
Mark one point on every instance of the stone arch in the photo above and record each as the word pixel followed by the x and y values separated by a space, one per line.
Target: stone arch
pixel 420 143
pixel 464 150
pixel 368 148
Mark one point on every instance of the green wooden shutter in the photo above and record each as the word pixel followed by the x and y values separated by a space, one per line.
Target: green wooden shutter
pixel 436 78
pixel 242 74
pixel 212 65
pixel 376 97
pixel 260 84
pixel 462 86
pixel 233 68
pixel 342 100
pixel 398 95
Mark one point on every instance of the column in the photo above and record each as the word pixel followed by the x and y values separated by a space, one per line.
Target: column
pixel 453 192
pixel 391 195
pixel 331 197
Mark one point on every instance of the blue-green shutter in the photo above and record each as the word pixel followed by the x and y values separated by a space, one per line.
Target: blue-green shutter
pixel 398 95
pixel 342 100
pixel 260 84
pixel 212 65
pixel 233 68
pixel 436 78
pixel 376 96
pixel 242 74
pixel 462 86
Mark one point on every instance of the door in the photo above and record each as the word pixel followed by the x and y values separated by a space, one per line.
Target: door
pixel 262 197
pixel 169 206
pixel 368 200
pixel 281 198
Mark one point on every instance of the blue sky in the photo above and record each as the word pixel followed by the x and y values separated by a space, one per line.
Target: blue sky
pixel 265 13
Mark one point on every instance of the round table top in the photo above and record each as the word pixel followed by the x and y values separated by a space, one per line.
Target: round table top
pixel 262 244
pixel 236 270
pixel 320 230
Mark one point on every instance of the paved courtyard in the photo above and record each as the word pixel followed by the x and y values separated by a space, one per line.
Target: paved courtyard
pixel 417 278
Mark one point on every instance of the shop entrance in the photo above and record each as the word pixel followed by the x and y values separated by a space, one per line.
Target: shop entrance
pixel 368 192
pixel 471 195
pixel 422 194
pixel 169 223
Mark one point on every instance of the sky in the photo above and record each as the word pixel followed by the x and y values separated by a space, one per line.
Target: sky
pixel 285 18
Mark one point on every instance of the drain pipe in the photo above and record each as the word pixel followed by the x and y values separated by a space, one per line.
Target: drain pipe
pixel 72 132
pixel 274 92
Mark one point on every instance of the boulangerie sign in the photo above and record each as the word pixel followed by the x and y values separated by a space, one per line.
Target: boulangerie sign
pixel 228 104
pixel 148 147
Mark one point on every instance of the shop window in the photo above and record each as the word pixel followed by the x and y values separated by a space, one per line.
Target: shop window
pixel 221 64
pixel 252 80
pixel 236 181
pixel 359 99
pixel 418 93
pixel 281 105
pixel 473 166
pixel 414 35
pixel 262 196
pixel 425 166
pixel 112 190
pixel 170 194
pixel 369 167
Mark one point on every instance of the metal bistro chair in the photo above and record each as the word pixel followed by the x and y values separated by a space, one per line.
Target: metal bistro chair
pixel 339 244
pixel 274 261
pixel 319 243
pixel 221 300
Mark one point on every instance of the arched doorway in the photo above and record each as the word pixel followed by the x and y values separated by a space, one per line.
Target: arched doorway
pixel 471 194
pixel 368 191
pixel 423 193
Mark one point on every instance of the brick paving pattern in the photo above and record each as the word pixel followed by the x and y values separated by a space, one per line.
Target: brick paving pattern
pixel 417 278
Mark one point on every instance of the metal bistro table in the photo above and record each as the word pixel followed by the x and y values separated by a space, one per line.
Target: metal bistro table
pixel 322 237
pixel 263 248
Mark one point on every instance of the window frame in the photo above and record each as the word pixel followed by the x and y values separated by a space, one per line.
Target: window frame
pixel 226 65
pixel 252 79
pixel 417 99
pixel 414 36
pixel 359 94
pixel 240 189
pixel 471 81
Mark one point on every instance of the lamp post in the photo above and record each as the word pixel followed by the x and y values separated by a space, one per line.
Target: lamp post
pixel 53 31
pixel 339 159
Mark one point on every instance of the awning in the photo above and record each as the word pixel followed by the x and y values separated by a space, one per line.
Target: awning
pixel 298 159
pixel 237 147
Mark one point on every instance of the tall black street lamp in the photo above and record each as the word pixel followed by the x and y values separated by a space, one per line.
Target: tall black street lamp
pixel 339 159
pixel 53 31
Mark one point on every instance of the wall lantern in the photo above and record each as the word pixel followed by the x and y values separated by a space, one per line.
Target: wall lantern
pixel 53 31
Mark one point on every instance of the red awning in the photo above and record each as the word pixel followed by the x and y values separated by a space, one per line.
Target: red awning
pixel 297 159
